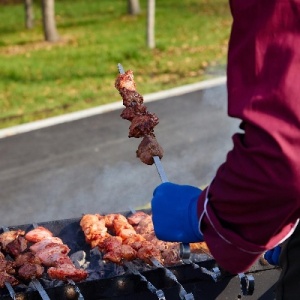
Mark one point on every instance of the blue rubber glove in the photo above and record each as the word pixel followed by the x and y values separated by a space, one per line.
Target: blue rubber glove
pixel 272 256
pixel 174 213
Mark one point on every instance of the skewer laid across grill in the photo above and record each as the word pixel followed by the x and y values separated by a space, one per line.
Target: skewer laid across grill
pixel 7 284
pixel 182 292
pixel 159 293
pixel 38 285
pixel 76 288
pixel 35 283
pixel 40 289
pixel 10 290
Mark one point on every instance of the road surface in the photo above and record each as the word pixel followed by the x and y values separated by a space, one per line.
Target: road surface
pixel 89 165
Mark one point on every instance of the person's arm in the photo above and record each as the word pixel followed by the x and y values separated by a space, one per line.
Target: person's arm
pixel 253 202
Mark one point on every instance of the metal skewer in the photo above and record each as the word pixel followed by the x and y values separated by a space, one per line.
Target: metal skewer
pixel 121 69
pixel 7 284
pixel 40 289
pixel 160 169
pixel 10 290
pixel 70 281
pixel 35 282
pixel 76 288
pixel 38 286
pixel 150 286
pixel 182 292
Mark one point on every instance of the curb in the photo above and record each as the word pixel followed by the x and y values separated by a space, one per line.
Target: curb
pixel 14 130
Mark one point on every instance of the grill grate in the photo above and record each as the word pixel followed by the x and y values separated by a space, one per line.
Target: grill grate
pixel 109 280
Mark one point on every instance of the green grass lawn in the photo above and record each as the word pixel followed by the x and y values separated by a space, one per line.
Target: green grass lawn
pixel 40 79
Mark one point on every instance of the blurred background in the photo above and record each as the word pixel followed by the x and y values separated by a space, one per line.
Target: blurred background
pixel 59 57
pixel 54 66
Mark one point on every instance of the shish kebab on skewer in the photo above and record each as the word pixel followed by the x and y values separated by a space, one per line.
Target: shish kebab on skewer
pixel 142 121
pixel 142 125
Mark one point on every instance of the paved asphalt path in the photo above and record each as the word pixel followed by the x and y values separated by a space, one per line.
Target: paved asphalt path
pixel 89 165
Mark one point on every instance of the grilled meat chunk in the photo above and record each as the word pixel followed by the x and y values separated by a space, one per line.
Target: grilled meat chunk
pixel 145 226
pixel 94 229
pixel 125 81
pixel 136 218
pixel 131 98
pixel 67 271
pixel 148 148
pixel 44 243
pixel 5 277
pixel 120 253
pixel 142 125
pixel 130 112
pixel 200 247
pixel 148 251
pixel 6 266
pixel 7 271
pixel 52 253
pixel 37 234
pixel 9 236
pixel 110 243
pixel 29 271
pixel 27 257
pixel 16 246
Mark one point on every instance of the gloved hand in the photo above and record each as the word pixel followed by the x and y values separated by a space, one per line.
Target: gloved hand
pixel 272 256
pixel 174 213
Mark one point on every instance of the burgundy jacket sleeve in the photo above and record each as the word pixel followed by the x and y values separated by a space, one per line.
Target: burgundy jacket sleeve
pixel 253 203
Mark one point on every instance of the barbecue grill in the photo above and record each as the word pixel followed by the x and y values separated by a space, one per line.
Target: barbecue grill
pixel 197 278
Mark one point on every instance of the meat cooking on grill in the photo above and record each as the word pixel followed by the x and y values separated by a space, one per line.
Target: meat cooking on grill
pixel 38 234
pixel 20 264
pixel 29 271
pixel 142 121
pixel 54 254
pixel 123 244
pixel 9 236
pixel 32 253
pixel 7 272
pixel 96 234
pixel 124 239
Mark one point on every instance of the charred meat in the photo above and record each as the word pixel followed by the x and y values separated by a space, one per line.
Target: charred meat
pixel 9 236
pixel 33 255
pixel 29 271
pixel 148 148
pixel 142 121
pixel 53 253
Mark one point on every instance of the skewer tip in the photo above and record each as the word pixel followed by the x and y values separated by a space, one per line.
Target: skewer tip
pixel 121 69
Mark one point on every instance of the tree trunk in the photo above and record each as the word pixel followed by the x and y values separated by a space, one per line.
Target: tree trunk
pixel 49 23
pixel 28 14
pixel 151 24
pixel 133 7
